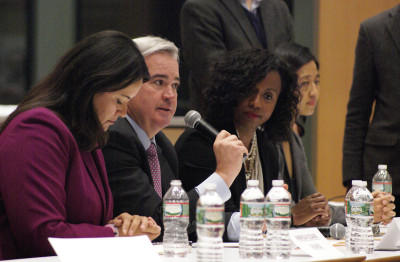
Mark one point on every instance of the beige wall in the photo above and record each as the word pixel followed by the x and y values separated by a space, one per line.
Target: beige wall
pixel 338 25
pixel 173 133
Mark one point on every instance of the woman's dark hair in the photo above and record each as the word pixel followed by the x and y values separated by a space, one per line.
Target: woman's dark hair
pixel 104 62
pixel 234 77
pixel 295 55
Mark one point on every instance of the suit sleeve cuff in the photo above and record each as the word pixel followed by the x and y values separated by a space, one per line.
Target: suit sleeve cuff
pixel 234 227
pixel 222 188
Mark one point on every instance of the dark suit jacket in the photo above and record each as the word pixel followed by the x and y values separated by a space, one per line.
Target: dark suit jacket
pixel 197 162
pixel 209 28
pixel 130 177
pixel 304 183
pixel 49 188
pixel 376 80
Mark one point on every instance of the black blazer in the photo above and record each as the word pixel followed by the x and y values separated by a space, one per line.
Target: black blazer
pixel 376 80
pixel 197 162
pixel 209 28
pixel 130 178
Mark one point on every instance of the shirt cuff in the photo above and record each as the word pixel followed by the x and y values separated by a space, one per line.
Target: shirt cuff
pixel 233 229
pixel 222 188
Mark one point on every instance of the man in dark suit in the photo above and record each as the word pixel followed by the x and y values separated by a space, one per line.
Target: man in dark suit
pixel 376 80
pixel 211 27
pixel 131 175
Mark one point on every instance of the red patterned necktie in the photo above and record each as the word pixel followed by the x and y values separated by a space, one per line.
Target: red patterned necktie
pixel 155 168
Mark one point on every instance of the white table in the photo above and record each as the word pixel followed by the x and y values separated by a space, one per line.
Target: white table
pixel 231 254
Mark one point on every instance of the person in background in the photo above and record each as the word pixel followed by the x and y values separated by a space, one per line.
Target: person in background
pixel 53 180
pixel 209 28
pixel 136 185
pixel 292 157
pixel 371 134
pixel 252 94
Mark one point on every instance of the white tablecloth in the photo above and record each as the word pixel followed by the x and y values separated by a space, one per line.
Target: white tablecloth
pixel 231 254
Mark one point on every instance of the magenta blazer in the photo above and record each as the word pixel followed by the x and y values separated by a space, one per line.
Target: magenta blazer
pixel 48 187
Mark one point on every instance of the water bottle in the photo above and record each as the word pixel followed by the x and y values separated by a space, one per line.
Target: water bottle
pixel 362 212
pixel 176 221
pixel 277 209
pixel 382 181
pixel 210 216
pixel 349 219
pixel 251 241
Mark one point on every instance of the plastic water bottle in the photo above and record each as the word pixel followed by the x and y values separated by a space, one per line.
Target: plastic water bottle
pixel 382 181
pixel 251 241
pixel 210 217
pixel 277 209
pixel 362 211
pixel 349 219
pixel 176 221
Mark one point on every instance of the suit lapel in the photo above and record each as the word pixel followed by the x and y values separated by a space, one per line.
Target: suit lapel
pixel 101 167
pixel 129 131
pixel 393 25
pixel 268 22
pixel 95 174
pixel 293 140
pixel 238 13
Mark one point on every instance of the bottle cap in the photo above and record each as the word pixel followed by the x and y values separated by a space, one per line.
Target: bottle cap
pixel 380 167
pixel 355 182
pixel 210 186
pixel 363 183
pixel 277 182
pixel 176 183
pixel 252 183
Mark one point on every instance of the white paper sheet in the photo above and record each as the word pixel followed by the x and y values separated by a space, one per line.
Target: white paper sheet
pixel 105 249
pixel 391 240
pixel 312 242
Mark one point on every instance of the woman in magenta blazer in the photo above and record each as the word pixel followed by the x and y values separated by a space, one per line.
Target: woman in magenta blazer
pixel 53 181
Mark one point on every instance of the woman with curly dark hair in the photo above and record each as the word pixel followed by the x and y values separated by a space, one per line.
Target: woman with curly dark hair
pixel 253 95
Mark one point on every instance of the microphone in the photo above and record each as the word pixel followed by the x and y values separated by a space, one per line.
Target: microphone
pixel 336 231
pixel 194 120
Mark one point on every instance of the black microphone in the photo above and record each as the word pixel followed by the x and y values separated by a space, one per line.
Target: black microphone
pixel 336 231
pixel 194 120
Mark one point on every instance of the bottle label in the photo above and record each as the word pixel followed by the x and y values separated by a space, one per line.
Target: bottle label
pixel 359 208
pixel 281 210
pixel 173 209
pixel 210 215
pixel 382 186
pixel 251 209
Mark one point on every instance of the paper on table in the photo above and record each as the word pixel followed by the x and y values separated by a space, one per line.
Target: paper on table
pixel 312 242
pixel 391 240
pixel 104 249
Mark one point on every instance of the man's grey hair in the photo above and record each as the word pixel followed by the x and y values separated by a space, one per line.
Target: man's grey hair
pixel 152 44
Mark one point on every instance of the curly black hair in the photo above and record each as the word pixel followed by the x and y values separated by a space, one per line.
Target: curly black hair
pixel 234 77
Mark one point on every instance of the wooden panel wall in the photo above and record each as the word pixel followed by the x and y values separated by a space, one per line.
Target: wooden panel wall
pixel 338 25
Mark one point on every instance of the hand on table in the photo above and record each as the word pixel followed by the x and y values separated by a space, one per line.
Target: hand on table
pixel 310 207
pixel 383 208
pixel 136 225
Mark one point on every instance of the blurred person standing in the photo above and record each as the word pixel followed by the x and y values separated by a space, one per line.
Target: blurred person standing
pixel 372 134
pixel 209 28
